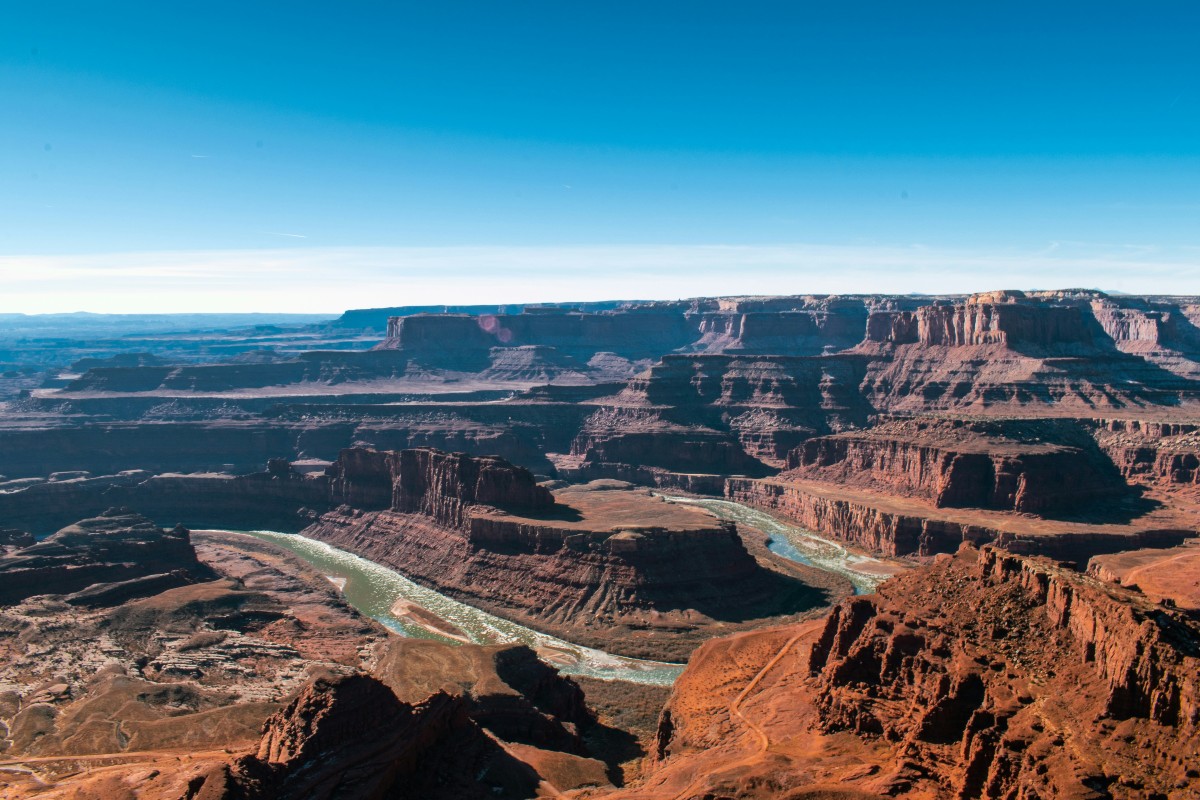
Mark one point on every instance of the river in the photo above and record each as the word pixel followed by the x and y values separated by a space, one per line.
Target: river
pixel 400 604
pixel 376 591
pixel 800 545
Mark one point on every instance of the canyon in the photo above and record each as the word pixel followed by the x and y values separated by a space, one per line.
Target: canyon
pixel 1024 465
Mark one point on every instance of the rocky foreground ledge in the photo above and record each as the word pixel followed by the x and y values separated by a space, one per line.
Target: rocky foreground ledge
pixel 987 675
pixel 258 682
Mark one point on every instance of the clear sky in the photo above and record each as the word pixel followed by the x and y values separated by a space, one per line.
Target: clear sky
pixel 258 156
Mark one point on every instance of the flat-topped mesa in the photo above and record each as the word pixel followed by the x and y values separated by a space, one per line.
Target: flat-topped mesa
pixel 632 332
pixel 1026 466
pixel 434 483
pixel 984 321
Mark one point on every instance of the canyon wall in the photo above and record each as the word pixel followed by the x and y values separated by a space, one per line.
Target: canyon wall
pixel 984 675
pixel 1163 453
pixel 875 523
pixel 892 533
pixel 618 589
pixel 1031 467
pixel 436 484
pixel 583 564
pixel 968 683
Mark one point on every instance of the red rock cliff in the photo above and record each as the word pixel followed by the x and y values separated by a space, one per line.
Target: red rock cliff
pixel 985 675
pixel 970 658
pixel 431 482
pixel 1013 467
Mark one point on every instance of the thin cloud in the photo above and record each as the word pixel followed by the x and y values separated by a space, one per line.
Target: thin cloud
pixel 331 279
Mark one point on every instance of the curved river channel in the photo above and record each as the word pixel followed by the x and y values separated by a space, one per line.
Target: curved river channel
pixel 379 593
pixel 800 545
pixel 396 602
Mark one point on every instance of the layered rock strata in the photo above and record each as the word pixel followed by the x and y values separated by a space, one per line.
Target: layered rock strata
pixel 988 675
pixel 102 561
pixel 722 385
pixel 582 563
pixel 269 499
pixel 1035 467
pixel 1157 452
pixel 897 526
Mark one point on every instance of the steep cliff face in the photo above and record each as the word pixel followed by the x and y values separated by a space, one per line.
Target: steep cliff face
pixel 620 589
pixel 644 438
pixel 858 521
pixel 987 675
pixel 1010 324
pixel 1033 467
pixel 897 526
pixel 585 563
pixel 824 327
pixel 433 483
pixel 1008 319
pixel 724 414
pixel 822 387
pixel 459 341
pixel 1163 453
pixel 974 672
pixel 1008 349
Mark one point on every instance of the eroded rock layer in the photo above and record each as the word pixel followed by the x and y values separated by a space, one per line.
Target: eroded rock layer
pixel 102 561
pixel 1035 466
pixel 583 562
pixel 989 675
pixel 898 526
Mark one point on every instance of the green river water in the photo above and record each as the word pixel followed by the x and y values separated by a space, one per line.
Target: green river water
pixel 374 590
pixel 800 545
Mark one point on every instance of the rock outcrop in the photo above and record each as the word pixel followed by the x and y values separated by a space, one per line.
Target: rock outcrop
pixel 436 484
pixel 124 551
pixel 1035 467
pixel 987 675
pixel 497 723
pixel 342 736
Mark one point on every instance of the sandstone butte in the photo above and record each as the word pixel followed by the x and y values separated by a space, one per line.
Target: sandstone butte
pixel 1028 461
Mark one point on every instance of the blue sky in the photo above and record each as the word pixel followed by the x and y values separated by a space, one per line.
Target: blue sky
pixel 271 156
